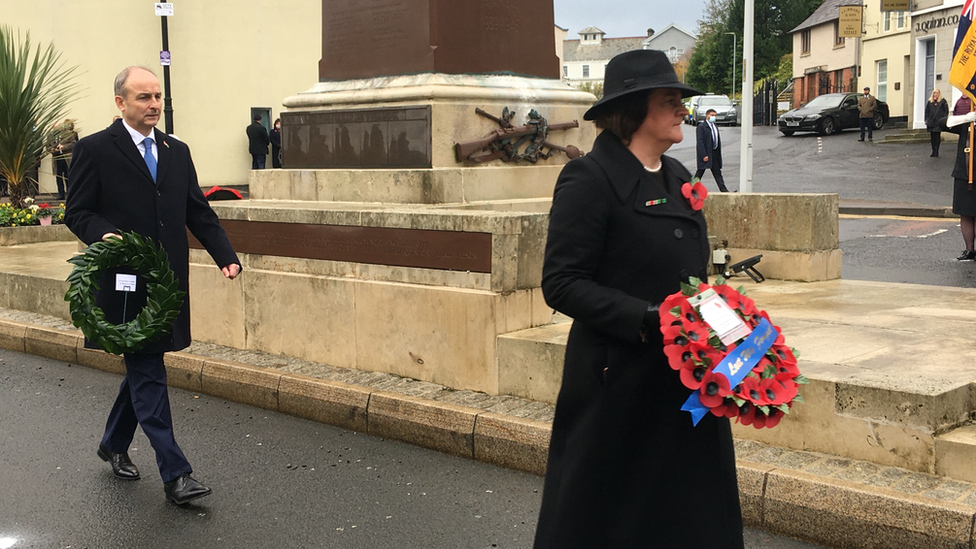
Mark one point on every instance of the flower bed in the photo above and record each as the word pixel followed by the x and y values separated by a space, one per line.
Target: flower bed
pixel 31 215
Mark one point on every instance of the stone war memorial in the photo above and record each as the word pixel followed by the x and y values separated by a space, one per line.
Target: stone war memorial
pixel 405 232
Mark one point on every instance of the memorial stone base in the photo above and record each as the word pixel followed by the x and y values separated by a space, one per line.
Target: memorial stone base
pixel 375 248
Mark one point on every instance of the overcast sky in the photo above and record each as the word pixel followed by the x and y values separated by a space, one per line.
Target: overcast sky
pixel 626 18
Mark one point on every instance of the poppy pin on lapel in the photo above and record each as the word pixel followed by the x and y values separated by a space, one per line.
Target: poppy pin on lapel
pixel 166 144
pixel 650 203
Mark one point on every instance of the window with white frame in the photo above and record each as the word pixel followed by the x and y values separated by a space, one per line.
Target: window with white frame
pixel 586 71
pixel 805 42
pixel 565 71
pixel 887 20
pixel 901 20
pixel 882 93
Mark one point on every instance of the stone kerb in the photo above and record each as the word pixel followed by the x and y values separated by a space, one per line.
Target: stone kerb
pixel 14 236
pixel 797 234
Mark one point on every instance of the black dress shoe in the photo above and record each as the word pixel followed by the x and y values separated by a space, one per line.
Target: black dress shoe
pixel 967 255
pixel 185 489
pixel 122 466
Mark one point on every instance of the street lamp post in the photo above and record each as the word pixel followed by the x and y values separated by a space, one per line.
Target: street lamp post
pixel 733 64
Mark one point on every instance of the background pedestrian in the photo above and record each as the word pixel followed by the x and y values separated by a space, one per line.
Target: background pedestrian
pixel 257 143
pixel 64 143
pixel 276 144
pixel 709 146
pixel 936 109
pixel 866 105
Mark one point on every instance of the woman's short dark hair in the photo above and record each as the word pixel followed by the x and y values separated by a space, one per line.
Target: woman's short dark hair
pixel 624 115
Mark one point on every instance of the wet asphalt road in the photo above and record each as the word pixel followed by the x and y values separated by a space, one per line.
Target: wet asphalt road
pixel 278 481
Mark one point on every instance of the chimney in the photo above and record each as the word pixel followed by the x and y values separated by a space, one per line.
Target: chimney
pixel 650 33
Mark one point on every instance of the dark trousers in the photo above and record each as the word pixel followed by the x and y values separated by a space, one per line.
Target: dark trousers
pixel 143 400
pixel 936 138
pixel 61 175
pixel 257 161
pixel 717 174
pixel 275 157
pixel 867 123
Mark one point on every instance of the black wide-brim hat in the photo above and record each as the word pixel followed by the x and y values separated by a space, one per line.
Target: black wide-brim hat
pixel 634 71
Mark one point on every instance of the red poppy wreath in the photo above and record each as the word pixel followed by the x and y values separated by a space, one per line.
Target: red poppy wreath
pixel 729 354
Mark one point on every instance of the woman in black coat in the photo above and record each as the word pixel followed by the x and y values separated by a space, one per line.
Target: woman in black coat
pixel 626 466
pixel 275 137
pixel 936 109
pixel 963 194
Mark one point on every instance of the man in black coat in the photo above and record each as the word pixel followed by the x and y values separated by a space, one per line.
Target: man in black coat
pixel 257 143
pixel 132 177
pixel 710 150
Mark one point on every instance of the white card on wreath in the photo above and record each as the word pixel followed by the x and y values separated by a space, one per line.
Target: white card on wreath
pixel 125 282
pixel 720 317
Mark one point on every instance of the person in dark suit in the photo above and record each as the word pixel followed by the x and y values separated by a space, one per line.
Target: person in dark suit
pixel 132 177
pixel 257 143
pixel 276 144
pixel 64 143
pixel 626 466
pixel 709 145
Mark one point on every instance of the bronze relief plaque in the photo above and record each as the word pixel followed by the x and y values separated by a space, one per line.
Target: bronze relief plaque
pixel 395 137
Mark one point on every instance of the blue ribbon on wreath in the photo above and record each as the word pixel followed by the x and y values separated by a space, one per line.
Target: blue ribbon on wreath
pixel 736 365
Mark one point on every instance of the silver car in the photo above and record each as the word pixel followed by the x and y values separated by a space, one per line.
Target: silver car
pixel 723 106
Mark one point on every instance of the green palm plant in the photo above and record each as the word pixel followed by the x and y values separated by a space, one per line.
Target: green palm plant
pixel 35 89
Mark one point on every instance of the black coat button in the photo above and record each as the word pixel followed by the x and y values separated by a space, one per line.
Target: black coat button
pixel 160 223
pixel 695 233
pixel 679 234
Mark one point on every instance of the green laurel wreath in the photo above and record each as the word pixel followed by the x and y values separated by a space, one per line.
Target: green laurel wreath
pixel 162 305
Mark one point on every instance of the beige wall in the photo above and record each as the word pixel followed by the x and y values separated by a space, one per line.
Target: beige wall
pixel 227 57
pixel 893 46
pixel 822 51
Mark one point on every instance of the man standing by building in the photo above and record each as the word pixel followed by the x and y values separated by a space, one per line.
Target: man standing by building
pixel 258 140
pixel 867 104
pixel 710 150
pixel 132 177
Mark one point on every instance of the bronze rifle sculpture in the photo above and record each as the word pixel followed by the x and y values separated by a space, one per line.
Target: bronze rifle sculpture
pixel 505 142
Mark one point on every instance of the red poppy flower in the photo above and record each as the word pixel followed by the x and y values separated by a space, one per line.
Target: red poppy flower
pixel 692 377
pixel 679 357
pixel 728 294
pixel 775 391
pixel 760 366
pixel 773 419
pixel 697 334
pixel 785 361
pixel 749 390
pixel 747 414
pixel 696 194
pixel 714 389
pixel 747 306
pixel 790 388
pixel 728 409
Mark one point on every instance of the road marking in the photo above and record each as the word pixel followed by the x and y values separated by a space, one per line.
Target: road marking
pixel 940 231
pixel 819 144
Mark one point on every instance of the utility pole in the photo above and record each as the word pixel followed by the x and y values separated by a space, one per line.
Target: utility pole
pixel 733 65
pixel 748 44
pixel 164 10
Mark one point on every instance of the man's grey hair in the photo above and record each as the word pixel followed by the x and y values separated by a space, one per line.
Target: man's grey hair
pixel 123 76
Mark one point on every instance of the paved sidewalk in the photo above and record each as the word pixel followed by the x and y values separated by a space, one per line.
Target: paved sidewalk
pixel 817 497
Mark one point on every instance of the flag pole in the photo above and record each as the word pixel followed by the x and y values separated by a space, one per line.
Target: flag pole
pixel 972 108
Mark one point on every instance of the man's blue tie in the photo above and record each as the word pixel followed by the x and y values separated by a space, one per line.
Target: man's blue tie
pixel 150 159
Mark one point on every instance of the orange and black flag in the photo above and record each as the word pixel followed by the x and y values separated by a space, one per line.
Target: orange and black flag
pixel 963 72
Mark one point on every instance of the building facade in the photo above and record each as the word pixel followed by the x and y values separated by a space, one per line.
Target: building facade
pixel 584 60
pixel 823 61
pixel 885 58
pixel 228 58
pixel 933 33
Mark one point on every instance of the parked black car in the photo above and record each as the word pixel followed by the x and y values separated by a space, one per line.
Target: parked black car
pixel 829 113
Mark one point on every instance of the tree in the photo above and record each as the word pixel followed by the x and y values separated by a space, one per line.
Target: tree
pixel 35 89
pixel 711 64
